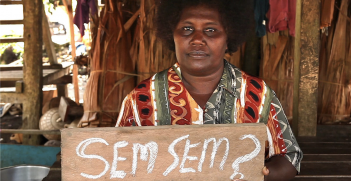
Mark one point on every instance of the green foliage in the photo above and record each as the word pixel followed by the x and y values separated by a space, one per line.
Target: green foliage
pixel 49 6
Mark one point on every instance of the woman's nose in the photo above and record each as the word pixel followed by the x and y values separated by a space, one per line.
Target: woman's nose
pixel 198 38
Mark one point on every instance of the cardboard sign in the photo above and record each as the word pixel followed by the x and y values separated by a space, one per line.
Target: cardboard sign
pixel 206 152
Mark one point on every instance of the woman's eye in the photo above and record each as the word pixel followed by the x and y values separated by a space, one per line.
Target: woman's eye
pixel 210 31
pixel 187 30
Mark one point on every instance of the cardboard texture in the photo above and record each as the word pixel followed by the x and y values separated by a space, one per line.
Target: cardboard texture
pixel 164 153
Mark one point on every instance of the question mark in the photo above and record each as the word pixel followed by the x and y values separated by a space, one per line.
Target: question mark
pixel 247 157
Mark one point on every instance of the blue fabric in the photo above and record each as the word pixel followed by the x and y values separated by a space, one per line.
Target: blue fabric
pixel 261 9
pixel 13 154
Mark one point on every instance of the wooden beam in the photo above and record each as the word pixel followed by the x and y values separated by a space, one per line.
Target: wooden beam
pixel 10 2
pixel 11 22
pixel 49 79
pixel 61 90
pixel 12 97
pixel 68 5
pixel 31 131
pixel 307 90
pixel 7 84
pixel 20 67
pixel 67 79
pixel 32 70
pixel 11 40
pixel 49 45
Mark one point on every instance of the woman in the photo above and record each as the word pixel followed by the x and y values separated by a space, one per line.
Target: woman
pixel 203 88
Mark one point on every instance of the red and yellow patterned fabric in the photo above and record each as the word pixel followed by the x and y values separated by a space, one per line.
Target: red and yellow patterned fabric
pixel 239 98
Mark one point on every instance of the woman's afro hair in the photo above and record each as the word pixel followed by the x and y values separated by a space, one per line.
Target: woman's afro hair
pixel 237 17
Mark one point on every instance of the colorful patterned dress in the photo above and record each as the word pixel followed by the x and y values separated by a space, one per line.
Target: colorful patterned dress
pixel 238 98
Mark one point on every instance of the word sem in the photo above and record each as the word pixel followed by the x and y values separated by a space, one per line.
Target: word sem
pixel 150 151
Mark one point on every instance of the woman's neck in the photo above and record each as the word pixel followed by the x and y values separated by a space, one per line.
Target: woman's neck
pixel 202 87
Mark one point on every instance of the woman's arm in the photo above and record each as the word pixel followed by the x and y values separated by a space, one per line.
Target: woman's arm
pixel 285 155
pixel 278 168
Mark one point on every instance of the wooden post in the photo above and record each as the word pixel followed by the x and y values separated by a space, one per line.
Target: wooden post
pixel 307 44
pixel 68 5
pixel 32 68
pixel 61 90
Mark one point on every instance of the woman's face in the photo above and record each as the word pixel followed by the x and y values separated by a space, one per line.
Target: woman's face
pixel 200 41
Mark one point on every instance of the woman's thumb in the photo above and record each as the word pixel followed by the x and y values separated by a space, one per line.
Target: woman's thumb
pixel 265 170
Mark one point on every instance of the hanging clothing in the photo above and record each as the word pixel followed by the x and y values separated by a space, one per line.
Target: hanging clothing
pixel 82 13
pixel 327 12
pixel 261 9
pixel 281 16
pixel 238 98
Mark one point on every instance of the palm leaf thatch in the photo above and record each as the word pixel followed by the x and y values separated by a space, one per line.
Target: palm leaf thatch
pixel 277 67
pixel 335 69
pixel 120 52
pixel 111 76
pixel 149 55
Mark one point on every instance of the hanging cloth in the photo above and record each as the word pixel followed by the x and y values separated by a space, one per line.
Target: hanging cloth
pixel 327 12
pixel 82 13
pixel 281 16
pixel 261 9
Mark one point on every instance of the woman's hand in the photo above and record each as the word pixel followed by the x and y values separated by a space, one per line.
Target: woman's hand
pixel 278 168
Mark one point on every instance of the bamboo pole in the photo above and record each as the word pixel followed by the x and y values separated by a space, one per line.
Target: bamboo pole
pixel 68 5
pixel 32 68
pixel 297 59
pixel 49 45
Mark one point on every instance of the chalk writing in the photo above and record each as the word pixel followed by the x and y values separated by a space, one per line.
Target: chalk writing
pixel 247 157
pixel 185 157
pixel 114 172
pixel 174 154
pixel 151 150
pixel 81 153
pixel 214 152
pixel 197 152
pixel 153 147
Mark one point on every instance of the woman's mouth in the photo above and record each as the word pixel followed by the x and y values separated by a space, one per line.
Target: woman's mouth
pixel 197 54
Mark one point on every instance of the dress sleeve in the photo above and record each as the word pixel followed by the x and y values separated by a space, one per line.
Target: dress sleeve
pixel 280 136
pixel 126 114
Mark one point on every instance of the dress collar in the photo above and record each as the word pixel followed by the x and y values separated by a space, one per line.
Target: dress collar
pixel 227 81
